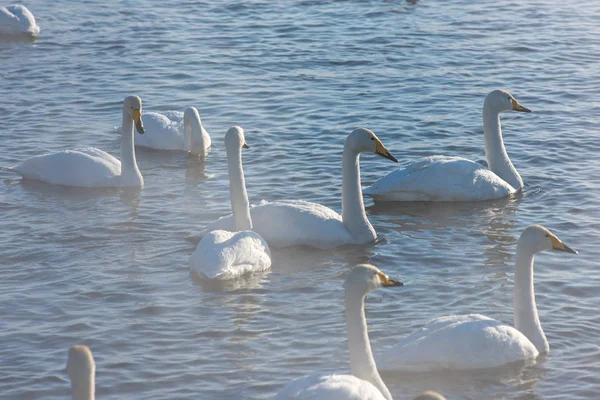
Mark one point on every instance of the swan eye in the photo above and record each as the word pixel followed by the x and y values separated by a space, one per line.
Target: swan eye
pixel 372 138
pixel 547 235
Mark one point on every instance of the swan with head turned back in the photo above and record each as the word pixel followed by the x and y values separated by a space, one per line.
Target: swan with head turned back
pixel 302 223
pixel 174 130
pixel 475 341
pixel 442 178
pixel 88 166
pixel 18 20
pixel 82 370
pixel 364 383
pixel 227 255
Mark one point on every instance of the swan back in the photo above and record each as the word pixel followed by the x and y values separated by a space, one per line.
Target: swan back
pixel 81 369
pixel 17 20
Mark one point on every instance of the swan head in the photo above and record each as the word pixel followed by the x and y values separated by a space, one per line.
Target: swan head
pixel 234 138
pixel 500 100
pixel 80 364
pixel 430 395
pixel 363 140
pixel 191 114
pixel 367 278
pixel 538 238
pixel 133 107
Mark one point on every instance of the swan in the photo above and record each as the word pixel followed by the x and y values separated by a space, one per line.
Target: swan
pixel 475 341
pixel 175 131
pixel 88 166
pixel 227 255
pixel 365 382
pixel 17 20
pixel 81 369
pixel 296 222
pixel 441 178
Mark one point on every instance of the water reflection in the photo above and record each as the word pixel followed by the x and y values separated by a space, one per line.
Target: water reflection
pixel 251 281
pixel 195 170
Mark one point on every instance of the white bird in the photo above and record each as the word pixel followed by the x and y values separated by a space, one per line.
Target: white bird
pixel 17 20
pixel 442 178
pixel 365 382
pixel 175 131
pixel 475 341
pixel 297 222
pixel 228 255
pixel 88 166
pixel 82 370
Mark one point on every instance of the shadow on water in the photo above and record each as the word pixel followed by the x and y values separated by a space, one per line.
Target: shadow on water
pixel 251 281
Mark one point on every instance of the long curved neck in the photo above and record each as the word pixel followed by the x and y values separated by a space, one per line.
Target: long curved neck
pixel 495 151
pixel 353 209
pixel 194 137
pixel 362 363
pixel 129 169
pixel 83 389
pixel 240 205
pixel 527 320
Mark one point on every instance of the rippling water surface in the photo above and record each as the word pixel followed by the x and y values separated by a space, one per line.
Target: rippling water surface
pixel 108 268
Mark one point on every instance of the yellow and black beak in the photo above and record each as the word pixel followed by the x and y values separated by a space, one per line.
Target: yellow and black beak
pixel 245 145
pixel 137 120
pixel 518 107
pixel 386 281
pixel 382 151
pixel 558 245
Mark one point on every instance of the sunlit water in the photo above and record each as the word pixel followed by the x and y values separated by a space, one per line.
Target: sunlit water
pixel 109 268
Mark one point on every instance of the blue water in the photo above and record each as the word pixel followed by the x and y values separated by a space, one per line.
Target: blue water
pixel 109 268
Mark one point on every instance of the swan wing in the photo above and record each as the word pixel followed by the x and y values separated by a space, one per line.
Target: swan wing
pixel 162 131
pixel 458 342
pixel 329 387
pixel 440 178
pixel 17 19
pixel 229 255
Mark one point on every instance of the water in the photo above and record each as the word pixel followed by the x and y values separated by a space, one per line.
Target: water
pixel 109 269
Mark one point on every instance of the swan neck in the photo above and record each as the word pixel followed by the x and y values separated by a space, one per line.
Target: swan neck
pixel 362 363
pixel 495 152
pixel 129 169
pixel 240 205
pixel 83 389
pixel 195 140
pixel 187 133
pixel 527 320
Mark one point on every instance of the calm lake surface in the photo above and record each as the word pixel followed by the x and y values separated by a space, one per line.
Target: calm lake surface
pixel 109 268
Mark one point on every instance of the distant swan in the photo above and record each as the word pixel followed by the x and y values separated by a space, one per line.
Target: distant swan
pixel 297 222
pixel 17 20
pixel 475 341
pixel 175 131
pixel 82 370
pixel 88 166
pixel 227 255
pixel 442 178
pixel 365 382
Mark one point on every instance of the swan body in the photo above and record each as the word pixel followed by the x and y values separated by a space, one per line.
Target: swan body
pixel 91 167
pixel 17 20
pixel 175 131
pixel 475 341
pixel 302 223
pixel 82 370
pixel 364 382
pixel 441 178
pixel 227 255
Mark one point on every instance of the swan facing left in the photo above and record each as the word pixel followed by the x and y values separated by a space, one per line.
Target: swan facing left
pixel 90 167
pixel 18 20
pixel 82 371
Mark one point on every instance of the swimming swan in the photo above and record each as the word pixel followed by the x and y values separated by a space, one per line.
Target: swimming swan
pixel 227 255
pixel 175 131
pixel 88 166
pixel 365 382
pixel 82 370
pixel 17 20
pixel 441 178
pixel 297 222
pixel 476 341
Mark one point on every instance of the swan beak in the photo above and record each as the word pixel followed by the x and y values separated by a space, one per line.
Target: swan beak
pixel 386 281
pixel 518 107
pixel 245 145
pixel 137 119
pixel 382 151
pixel 558 245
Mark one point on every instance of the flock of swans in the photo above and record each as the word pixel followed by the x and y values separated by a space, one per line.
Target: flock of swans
pixel 238 244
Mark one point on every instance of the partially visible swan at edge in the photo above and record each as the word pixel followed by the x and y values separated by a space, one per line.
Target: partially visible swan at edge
pixel 17 20
pixel 297 222
pixel 430 395
pixel 227 255
pixel 174 130
pixel 88 166
pixel 442 178
pixel 82 370
pixel 365 382
pixel 475 341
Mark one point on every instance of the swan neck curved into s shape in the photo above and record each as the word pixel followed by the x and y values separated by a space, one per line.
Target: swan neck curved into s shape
pixel 527 320
pixel 82 388
pixel 362 363
pixel 495 152
pixel 240 206
pixel 129 169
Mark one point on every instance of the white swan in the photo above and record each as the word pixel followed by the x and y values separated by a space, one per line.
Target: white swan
pixel 227 255
pixel 82 370
pixel 91 167
pixel 365 382
pixel 476 341
pixel 297 222
pixel 17 20
pixel 175 131
pixel 441 178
